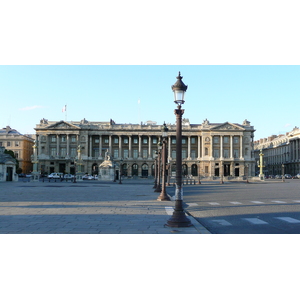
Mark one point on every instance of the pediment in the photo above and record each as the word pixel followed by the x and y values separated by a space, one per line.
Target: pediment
pixel 227 126
pixel 62 125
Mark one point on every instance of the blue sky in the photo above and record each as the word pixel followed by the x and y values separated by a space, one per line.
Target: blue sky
pixel 267 96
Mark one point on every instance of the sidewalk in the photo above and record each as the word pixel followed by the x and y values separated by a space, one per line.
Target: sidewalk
pixel 87 207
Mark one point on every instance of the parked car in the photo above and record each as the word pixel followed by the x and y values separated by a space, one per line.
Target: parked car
pixel 298 176
pixel 287 176
pixel 68 176
pixel 55 175
pixel 278 176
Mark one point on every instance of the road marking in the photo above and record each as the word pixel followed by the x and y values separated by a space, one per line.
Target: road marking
pixel 213 203
pixel 277 201
pixel 257 202
pixel 169 210
pixel 296 200
pixel 255 221
pixel 235 202
pixel 288 219
pixel 192 204
pixel 222 222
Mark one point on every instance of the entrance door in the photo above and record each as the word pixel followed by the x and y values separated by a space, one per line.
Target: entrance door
pixel 144 170
pixel 134 170
pixel 9 173
pixel 226 170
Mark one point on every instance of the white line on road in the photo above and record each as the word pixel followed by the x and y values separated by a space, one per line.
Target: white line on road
pixel 277 201
pixel 296 200
pixel 192 204
pixel 288 219
pixel 255 221
pixel 257 202
pixel 235 202
pixel 213 203
pixel 169 210
pixel 222 222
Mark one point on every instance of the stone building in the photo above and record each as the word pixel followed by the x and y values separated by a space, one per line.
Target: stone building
pixel 208 149
pixel 7 167
pixel 20 144
pixel 281 154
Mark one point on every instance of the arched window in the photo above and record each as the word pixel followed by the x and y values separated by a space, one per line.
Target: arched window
pixel 194 170
pixel 145 170
pixel 184 170
pixel 134 170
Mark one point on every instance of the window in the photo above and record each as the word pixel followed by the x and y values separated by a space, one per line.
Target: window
pixel 173 141
pixel 17 144
pixel 206 169
pixel 8 144
pixel 216 153
pixel 193 154
pixel 183 153
pixel 235 153
pixel 174 154
pixel 96 152
pixel 125 153
pixel 96 141
pixel 116 140
pixel 116 153
pixel 216 139
pixel 63 152
pixel 106 140
pixel 226 153
pixel 154 153
pixel 73 152
pixel 193 140
pixel 236 139
pixel 145 153
pixel 206 151
pixel 1 144
pixel 53 138
pixel 135 140
pixel 145 140
pixel 53 151
pixel 154 140
pixel 226 139
pixel 17 154
pixel 125 140
pixel 63 138
pixel 183 141
pixel 135 153
pixel 73 138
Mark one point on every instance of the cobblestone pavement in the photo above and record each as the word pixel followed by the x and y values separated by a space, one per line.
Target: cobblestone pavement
pixel 87 207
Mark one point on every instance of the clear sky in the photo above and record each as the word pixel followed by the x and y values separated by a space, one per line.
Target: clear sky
pixel 267 96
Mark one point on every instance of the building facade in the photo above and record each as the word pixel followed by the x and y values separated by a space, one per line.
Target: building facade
pixel 20 144
pixel 208 149
pixel 281 154
pixel 7 167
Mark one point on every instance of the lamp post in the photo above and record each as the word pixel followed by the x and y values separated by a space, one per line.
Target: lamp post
pixel 199 177
pixel 120 175
pixel 163 196
pixel 155 170
pixel 282 172
pixel 158 185
pixel 179 218
pixel 261 165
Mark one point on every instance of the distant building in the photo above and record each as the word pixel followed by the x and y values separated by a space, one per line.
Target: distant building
pixel 281 153
pixel 208 149
pixel 20 144
pixel 7 167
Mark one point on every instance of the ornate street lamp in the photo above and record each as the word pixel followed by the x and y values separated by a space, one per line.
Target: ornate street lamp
pixel 158 185
pixel 179 218
pixel 155 169
pixel 163 196
pixel 199 177
pixel 282 172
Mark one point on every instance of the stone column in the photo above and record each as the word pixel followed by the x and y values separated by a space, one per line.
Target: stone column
pixel 241 146
pixel 57 145
pixel 150 147
pixel 211 146
pixel 231 146
pixel 140 147
pixel 109 144
pixel 199 147
pixel 189 148
pixel 129 151
pixel 100 146
pixel 169 149
pixel 221 146
pixel 68 145
pixel 90 137
pixel 120 146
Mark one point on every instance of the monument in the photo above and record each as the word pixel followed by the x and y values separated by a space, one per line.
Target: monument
pixel 107 168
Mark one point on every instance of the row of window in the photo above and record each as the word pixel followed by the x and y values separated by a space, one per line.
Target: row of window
pixel 225 139
pixel 115 140
pixel 10 144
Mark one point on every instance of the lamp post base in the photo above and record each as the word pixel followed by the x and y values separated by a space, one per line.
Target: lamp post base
pixel 163 197
pixel 179 219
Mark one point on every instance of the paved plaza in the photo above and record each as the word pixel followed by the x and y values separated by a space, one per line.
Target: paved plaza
pixel 87 207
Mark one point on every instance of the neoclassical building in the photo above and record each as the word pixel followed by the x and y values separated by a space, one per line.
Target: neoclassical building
pixel 208 149
pixel 281 154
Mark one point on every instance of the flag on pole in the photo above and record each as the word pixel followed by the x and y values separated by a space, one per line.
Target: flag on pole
pixel 64 108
